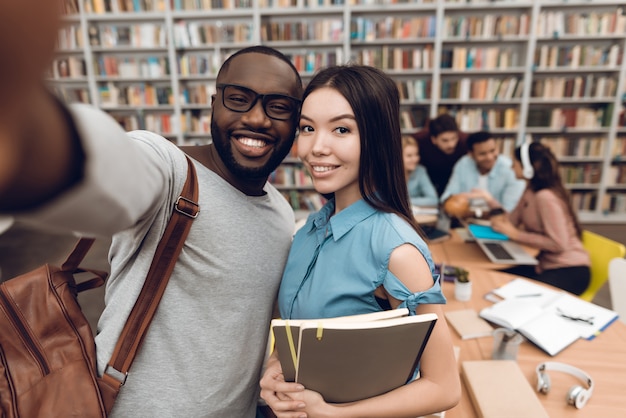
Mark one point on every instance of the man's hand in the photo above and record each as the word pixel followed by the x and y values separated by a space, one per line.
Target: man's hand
pixel 28 32
pixel 35 150
pixel 8 160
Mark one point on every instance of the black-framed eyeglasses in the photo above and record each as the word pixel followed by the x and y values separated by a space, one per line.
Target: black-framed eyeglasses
pixel 241 99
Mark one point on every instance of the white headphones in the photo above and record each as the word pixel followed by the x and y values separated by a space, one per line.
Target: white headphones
pixel 577 395
pixel 527 168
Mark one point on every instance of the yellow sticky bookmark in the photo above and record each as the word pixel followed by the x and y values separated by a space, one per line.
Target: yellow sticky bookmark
pixel 292 346
pixel 320 331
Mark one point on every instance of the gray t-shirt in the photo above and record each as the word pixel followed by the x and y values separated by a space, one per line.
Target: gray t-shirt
pixel 204 350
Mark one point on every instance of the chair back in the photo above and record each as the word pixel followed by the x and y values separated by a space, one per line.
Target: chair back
pixel 601 250
pixel 617 286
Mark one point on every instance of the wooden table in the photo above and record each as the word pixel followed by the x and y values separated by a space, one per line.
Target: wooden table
pixel 604 357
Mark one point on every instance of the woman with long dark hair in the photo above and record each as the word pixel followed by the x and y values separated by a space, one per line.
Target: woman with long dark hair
pixel 362 252
pixel 545 219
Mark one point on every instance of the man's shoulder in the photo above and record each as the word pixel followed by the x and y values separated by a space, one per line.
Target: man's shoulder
pixel 194 151
pixel 422 135
pixel 279 203
pixel 503 165
pixel 504 159
pixel 466 162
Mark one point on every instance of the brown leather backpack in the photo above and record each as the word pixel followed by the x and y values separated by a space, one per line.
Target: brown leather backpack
pixel 46 344
pixel 47 350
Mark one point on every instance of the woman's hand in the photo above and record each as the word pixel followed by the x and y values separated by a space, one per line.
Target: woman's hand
pixel 501 223
pixel 284 398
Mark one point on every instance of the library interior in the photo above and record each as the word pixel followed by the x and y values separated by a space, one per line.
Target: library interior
pixel 526 71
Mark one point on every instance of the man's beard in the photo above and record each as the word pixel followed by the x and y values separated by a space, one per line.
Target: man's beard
pixel 223 147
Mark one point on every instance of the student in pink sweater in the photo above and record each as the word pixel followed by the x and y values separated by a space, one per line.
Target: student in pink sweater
pixel 545 219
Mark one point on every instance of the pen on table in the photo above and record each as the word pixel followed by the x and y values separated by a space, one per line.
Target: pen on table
pixel 528 295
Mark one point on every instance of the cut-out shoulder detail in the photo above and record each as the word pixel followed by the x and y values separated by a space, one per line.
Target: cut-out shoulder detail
pixel 409 265
pixel 432 295
pixel 396 289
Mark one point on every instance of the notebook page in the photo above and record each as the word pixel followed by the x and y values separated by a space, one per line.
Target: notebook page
pixel 550 332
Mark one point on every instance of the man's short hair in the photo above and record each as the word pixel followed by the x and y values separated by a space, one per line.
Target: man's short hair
pixel 477 138
pixel 266 50
pixel 442 123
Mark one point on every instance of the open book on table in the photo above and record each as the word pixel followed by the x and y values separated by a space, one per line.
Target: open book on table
pixel 352 357
pixel 551 319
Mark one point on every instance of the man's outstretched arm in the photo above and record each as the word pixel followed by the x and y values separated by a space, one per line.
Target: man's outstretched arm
pixel 39 155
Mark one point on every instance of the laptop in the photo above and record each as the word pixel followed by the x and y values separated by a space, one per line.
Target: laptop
pixel 497 247
pixel 437 228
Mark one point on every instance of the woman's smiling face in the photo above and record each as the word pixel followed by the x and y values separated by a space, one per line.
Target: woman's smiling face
pixel 329 145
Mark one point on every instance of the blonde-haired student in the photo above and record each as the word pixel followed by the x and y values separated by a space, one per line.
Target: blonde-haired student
pixel 421 189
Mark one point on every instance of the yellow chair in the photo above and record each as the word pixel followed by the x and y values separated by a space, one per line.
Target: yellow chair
pixel 617 285
pixel 601 250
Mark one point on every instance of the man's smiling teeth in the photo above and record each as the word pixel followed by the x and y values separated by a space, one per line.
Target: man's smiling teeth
pixel 322 169
pixel 252 142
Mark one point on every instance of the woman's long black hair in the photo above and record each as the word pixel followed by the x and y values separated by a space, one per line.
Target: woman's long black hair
pixel 374 99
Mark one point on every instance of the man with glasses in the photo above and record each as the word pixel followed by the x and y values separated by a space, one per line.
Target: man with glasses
pixel 242 99
pixel 75 169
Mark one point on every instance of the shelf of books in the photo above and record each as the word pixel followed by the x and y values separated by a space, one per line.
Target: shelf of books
pixel 547 70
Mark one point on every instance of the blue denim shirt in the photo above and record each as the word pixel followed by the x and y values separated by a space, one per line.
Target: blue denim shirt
pixel 337 262
pixel 421 189
pixel 501 181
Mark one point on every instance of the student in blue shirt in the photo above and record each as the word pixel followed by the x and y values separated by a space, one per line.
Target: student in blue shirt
pixel 484 174
pixel 362 251
pixel 421 189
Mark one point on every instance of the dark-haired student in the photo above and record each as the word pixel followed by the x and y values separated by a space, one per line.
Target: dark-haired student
pixel 484 174
pixel 441 145
pixel 362 252
pixel 545 219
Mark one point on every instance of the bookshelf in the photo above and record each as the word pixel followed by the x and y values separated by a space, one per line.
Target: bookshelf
pixel 546 70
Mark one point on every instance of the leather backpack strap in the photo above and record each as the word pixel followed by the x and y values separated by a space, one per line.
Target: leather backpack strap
pixel 185 211
pixel 72 263
pixel 78 253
